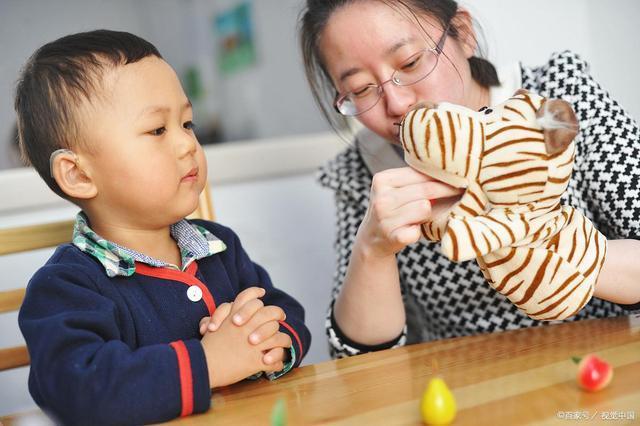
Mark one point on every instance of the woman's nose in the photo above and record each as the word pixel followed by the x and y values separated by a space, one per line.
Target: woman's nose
pixel 398 99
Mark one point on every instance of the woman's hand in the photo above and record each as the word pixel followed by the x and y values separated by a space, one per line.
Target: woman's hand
pixel 369 308
pixel 400 201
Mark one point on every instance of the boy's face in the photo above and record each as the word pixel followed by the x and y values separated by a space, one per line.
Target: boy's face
pixel 147 165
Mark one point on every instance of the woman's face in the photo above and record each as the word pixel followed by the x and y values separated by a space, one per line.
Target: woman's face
pixel 365 42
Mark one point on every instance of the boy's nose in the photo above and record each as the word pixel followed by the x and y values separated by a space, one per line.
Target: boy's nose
pixel 186 144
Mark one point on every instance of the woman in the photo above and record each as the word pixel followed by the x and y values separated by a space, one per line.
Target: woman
pixel 374 60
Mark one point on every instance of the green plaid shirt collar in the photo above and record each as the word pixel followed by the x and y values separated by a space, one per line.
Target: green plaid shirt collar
pixel 194 241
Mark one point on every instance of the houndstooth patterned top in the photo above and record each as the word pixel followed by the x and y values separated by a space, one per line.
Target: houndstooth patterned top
pixel 444 299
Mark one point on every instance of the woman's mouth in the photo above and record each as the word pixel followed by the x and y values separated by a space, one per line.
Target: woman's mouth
pixel 398 126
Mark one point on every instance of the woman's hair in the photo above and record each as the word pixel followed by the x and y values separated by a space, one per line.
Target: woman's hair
pixel 314 19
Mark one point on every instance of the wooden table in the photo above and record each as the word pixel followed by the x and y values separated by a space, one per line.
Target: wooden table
pixel 512 378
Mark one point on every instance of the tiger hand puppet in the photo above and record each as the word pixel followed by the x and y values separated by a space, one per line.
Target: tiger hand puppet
pixel 515 161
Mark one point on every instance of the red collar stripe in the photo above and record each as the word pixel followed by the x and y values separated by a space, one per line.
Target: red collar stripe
pixel 188 278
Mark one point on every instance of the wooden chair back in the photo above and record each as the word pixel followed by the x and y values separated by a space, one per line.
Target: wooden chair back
pixel 33 237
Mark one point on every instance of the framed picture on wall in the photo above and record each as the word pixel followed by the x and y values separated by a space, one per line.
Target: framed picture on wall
pixel 234 32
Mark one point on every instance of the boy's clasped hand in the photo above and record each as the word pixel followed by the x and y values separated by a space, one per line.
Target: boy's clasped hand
pixel 242 338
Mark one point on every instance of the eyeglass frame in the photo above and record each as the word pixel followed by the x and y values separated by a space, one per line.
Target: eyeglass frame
pixel 436 50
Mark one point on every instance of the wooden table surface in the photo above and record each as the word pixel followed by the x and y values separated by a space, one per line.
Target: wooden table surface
pixel 512 378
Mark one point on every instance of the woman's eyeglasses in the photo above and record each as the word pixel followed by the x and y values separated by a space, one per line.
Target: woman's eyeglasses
pixel 416 68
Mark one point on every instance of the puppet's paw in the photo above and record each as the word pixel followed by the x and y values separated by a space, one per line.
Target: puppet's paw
pixel 449 247
pixel 458 243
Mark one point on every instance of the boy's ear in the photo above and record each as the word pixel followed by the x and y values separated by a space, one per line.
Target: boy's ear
pixel 463 23
pixel 71 178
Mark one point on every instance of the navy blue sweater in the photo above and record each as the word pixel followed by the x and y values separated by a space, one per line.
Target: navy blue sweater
pixel 126 350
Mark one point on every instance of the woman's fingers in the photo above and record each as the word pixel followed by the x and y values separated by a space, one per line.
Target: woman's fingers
pixel 400 200
pixel 397 178
pixel 413 213
pixel 435 190
pixel 406 235
pixel 387 200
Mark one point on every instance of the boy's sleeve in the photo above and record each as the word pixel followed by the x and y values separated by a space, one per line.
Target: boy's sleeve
pixel 251 274
pixel 83 372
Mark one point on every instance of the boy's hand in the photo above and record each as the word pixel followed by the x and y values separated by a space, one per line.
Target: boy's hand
pixel 251 294
pixel 230 355
pixel 247 305
pixel 275 358
pixel 252 311
pixel 266 334
pixel 213 322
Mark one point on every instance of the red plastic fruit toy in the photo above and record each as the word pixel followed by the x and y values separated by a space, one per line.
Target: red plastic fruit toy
pixel 593 373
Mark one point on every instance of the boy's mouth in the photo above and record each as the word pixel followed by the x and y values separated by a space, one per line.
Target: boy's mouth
pixel 191 175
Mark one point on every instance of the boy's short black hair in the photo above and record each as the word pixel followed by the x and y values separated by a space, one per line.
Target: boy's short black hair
pixel 60 77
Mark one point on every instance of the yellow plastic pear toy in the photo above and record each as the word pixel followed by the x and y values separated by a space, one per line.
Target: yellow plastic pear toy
pixel 438 406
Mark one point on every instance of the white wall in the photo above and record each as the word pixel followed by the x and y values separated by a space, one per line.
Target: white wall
pixel 271 98
pixel 605 33
pixel 287 225
pixel 266 100
pixel 27 25
pixel 614 49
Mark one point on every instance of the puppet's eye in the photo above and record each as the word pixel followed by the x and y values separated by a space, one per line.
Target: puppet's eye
pixel 487 111
pixel 482 109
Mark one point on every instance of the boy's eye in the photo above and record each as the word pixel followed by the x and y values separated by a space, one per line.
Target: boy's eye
pixel 189 125
pixel 158 132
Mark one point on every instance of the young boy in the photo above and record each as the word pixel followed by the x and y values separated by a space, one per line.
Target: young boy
pixel 121 324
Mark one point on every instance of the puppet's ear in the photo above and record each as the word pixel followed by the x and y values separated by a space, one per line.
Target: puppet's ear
pixel 559 123
pixel 521 92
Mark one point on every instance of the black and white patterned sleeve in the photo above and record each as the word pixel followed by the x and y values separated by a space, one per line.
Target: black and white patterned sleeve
pixel 607 166
pixel 348 177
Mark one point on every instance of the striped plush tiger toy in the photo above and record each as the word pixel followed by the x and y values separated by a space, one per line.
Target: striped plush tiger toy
pixel 515 161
